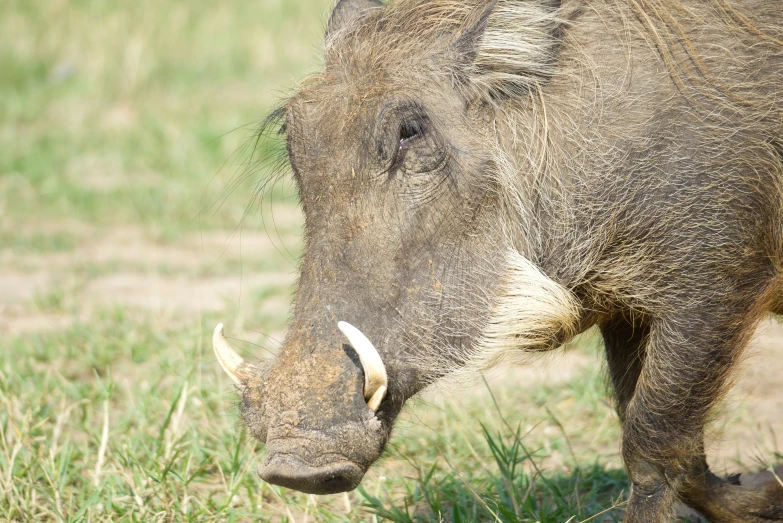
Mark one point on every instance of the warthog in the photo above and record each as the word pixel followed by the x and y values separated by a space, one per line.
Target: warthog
pixel 482 178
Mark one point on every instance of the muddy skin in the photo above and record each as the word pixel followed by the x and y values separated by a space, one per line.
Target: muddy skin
pixel 487 178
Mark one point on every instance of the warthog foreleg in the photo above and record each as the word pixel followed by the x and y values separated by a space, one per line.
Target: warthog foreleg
pixel 624 341
pixel 667 374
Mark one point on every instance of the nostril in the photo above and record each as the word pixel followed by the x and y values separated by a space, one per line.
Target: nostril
pixel 287 471
pixel 339 480
pixel 336 484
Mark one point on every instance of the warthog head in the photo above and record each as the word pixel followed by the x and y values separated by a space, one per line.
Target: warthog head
pixel 413 262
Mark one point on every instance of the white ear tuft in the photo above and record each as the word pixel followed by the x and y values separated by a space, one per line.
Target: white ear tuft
pixel 519 47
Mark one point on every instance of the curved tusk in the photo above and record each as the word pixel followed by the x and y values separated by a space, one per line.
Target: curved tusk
pixel 375 379
pixel 226 356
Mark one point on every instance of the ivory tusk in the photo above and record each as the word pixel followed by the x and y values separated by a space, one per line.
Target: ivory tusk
pixel 226 356
pixel 375 380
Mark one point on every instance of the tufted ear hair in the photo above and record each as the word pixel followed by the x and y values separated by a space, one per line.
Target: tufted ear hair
pixel 507 46
pixel 469 39
pixel 348 10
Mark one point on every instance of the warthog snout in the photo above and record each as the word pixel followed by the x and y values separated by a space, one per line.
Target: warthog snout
pixel 323 430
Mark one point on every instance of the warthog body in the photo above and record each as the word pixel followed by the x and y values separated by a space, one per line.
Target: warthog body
pixel 483 178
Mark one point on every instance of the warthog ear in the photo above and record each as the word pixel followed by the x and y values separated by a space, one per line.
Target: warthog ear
pixel 470 37
pixel 509 45
pixel 348 10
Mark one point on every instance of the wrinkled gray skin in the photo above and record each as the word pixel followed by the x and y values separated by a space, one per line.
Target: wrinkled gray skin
pixel 657 207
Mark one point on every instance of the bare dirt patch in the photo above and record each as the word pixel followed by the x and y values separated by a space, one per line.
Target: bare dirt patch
pixel 137 247
pixel 754 407
pixel 128 267
pixel 182 294
pixel 21 323
pixel 17 288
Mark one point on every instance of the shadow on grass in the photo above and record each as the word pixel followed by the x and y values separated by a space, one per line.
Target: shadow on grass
pixel 514 490
pixel 518 491
pixel 588 494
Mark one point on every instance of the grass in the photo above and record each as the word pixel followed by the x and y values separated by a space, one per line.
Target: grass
pixel 125 114
pixel 128 418
pixel 125 237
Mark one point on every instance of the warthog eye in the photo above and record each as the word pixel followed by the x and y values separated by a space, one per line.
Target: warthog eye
pixel 411 129
pixel 409 141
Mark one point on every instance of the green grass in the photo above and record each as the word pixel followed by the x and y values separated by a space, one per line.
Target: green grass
pixel 127 232
pixel 127 114
pixel 168 447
